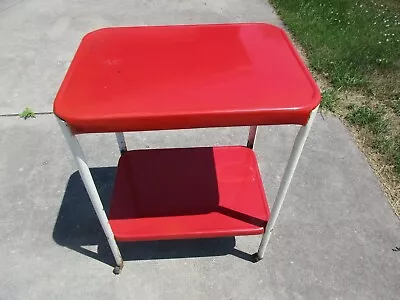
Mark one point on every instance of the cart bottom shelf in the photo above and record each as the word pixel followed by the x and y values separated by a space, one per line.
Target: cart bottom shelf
pixel 188 193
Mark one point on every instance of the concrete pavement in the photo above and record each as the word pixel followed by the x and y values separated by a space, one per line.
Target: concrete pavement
pixel 333 239
pixel 40 37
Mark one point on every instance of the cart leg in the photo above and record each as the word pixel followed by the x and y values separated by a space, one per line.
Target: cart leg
pixel 252 137
pixel 121 142
pixel 91 189
pixel 284 186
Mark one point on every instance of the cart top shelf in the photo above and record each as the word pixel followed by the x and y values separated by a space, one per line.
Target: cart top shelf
pixel 185 76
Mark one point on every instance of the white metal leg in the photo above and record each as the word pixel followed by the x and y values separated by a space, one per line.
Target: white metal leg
pixel 287 177
pixel 91 189
pixel 252 137
pixel 121 142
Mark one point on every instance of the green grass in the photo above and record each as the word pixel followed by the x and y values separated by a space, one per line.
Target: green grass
pixel 347 40
pixel 329 99
pixel 356 46
pixel 375 122
pixel 365 116
pixel 27 113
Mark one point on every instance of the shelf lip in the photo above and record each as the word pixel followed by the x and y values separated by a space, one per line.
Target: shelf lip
pixel 180 236
pixel 197 193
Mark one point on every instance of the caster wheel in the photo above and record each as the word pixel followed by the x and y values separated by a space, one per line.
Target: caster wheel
pixel 256 258
pixel 117 270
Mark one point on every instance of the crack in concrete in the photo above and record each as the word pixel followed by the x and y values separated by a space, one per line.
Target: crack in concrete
pixel 11 6
pixel 17 114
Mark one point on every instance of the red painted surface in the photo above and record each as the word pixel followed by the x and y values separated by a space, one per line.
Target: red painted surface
pixel 187 76
pixel 188 193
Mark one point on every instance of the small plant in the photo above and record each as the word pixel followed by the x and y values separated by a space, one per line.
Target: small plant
pixel 27 113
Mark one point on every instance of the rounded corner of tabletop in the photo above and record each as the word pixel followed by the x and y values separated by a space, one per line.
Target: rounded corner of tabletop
pixel 185 76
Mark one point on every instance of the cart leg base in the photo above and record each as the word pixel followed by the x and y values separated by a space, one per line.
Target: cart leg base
pixel 256 258
pixel 117 270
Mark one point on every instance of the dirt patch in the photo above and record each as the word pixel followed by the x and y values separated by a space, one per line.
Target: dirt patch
pixel 385 173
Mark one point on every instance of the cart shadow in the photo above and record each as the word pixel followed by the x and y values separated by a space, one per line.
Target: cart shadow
pixel 78 229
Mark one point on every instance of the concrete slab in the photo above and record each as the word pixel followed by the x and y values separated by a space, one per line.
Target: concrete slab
pixel 39 38
pixel 333 240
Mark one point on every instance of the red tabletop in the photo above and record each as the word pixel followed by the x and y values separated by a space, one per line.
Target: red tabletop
pixel 186 76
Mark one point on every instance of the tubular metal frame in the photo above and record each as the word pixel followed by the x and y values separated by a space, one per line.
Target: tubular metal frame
pixel 91 189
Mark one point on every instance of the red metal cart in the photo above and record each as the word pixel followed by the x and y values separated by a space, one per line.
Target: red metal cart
pixel 187 76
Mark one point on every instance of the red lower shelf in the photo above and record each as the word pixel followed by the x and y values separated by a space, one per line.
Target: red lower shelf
pixel 188 193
